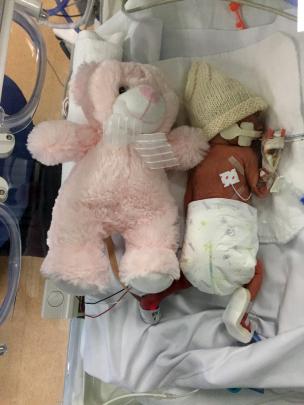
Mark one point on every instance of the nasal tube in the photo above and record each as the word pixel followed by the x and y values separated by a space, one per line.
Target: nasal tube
pixel 10 222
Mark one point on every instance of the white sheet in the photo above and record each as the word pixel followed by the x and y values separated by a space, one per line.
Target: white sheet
pixel 188 14
pixel 201 354
pixel 190 347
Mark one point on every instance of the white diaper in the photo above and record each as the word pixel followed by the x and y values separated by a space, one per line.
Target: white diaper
pixel 220 246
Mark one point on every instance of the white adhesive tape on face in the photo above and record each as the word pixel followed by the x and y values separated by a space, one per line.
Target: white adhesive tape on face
pixel 245 132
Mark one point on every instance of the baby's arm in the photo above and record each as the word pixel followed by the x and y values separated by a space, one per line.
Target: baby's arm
pixel 252 174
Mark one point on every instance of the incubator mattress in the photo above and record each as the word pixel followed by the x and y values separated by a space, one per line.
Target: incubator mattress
pixel 190 348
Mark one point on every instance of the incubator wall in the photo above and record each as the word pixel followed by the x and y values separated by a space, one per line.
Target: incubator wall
pixel 34 87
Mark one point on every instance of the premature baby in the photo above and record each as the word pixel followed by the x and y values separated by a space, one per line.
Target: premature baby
pixel 221 242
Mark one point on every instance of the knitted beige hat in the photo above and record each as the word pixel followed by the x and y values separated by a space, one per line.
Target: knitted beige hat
pixel 215 102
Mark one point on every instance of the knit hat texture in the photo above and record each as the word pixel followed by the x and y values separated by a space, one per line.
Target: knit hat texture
pixel 215 102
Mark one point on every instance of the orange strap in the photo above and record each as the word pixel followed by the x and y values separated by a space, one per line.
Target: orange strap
pixel 112 257
pixel 235 8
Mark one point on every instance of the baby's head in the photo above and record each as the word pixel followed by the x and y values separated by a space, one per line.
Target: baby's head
pixel 223 106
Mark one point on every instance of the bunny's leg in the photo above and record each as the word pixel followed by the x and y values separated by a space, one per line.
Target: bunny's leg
pixel 77 254
pixel 150 264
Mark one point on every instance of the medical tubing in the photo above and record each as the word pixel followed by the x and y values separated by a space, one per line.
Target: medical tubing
pixel 104 299
pixel 145 7
pixel 7 11
pixel 24 116
pixel 264 7
pixel 59 8
pixel 111 307
pixel 81 21
pixel 8 218
pixel 245 199
pixel 248 3
pixel 151 395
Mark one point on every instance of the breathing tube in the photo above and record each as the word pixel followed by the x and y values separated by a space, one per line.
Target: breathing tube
pixel 34 8
pixel 61 6
pixel 20 120
pixel 14 261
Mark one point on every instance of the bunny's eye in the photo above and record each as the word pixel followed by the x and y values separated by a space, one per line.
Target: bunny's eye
pixel 122 89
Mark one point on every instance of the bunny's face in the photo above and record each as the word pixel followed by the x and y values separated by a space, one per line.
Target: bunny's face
pixel 134 94
pixel 142 108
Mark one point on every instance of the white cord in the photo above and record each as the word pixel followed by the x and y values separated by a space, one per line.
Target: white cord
pixel 240 196
pixel 142 8
pixel 150 395
pixel 129 402
pixel 248 3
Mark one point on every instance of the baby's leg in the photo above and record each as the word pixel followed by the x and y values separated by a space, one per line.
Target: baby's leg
pixel 236 313
pixel 255 284
pixel 150 264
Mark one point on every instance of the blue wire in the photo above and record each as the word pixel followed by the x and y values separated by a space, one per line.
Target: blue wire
pixel 61 5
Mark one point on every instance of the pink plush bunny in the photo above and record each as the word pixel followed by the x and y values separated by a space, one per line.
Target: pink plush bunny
pixel 111 189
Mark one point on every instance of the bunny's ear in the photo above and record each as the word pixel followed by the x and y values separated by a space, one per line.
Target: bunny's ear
pixel 80 81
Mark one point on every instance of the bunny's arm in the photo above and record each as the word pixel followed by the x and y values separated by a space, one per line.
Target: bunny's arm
pixel 55 142
pixel 189 146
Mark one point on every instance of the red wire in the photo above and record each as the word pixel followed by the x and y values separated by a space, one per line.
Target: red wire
pixel 111 307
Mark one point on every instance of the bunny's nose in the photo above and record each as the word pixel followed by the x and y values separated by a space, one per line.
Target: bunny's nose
pixel 149 93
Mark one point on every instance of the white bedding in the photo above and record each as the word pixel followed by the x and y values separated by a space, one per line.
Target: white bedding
pixel 190 348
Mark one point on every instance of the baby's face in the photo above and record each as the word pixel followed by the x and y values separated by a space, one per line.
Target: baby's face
pixel 257 122
pixel 257 119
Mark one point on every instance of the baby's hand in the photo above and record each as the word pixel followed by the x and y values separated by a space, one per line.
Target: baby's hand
pixel 261 190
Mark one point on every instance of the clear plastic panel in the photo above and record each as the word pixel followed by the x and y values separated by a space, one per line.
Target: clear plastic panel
pixel 32 47
pixel 14 261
